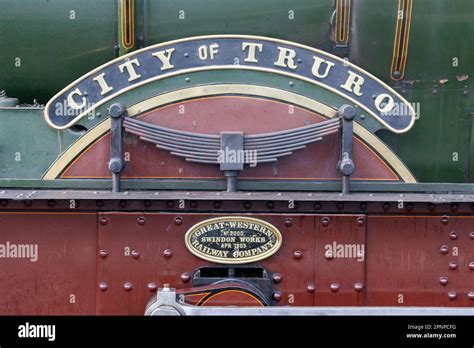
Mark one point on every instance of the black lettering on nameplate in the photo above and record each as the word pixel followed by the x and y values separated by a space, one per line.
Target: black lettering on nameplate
pixel 233 240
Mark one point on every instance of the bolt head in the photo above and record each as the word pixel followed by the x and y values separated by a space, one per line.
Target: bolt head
pixel 99 203
pixel 103 253
pixel 178 221
pixel 168 253
pixel 123 204
pixel 453 235
pixel 340 205
pixel 453 265
pixel 276 296
pixel 386 206
pixel 247 205
pixel 141 221
pixel 4 202
pixel 147 203
pixel 325 221
pixel 103 286
pixel 135 254
pixel 360 221
pixel 431 207
pixel 298 254
pixel 185 277
pixel 329 255
pixel 170 204
pixel 471 235
pixel 358 287
pixel 471 265
pixel 444 249
pixel 277 278
pixel 317 206
pixel 103 221
pixel 452 295
pixel 444 220
pixel 443 280
pixel 116 110
pixel 470 295
pixel 217 204
pixel 311 288
pixel 115 165
pixel 151 287
pixel 334 287
pixel 454 207
pixel 363 206
pixel 288 222
pixel 346 111
pixel 127 286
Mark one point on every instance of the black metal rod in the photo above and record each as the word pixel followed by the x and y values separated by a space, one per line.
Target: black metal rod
pixel 116 163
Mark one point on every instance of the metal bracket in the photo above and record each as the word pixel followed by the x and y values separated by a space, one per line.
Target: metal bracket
pixel 116 164
pixel 346 165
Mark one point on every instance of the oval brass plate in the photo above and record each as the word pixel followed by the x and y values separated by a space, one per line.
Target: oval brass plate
pixel 233 240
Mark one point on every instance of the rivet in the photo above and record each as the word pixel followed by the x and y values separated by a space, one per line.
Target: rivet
pixel 288 222
pixel 103 221
pixel 135 254
pixel 168 253
pixel 386 206
pixel 453 265
pixel 452 295
pixel 431 207
pixel 298 254
pixel 317 206
pixel 453 235
pixel 151 287
pixel 325 221
pixel 358 287
pixel 363 206
pixel 103 286
pixel 276 296
pixel 471 235
pixel 185 277
pixel 103 253
pixel 311 288
pixel 170 204
pixel 123 204
pixel 471 265
pixel 471 295
pixel 443 280
pixel 340 205
pixel 329 255
pixel 28 203
pixel 141 220
pixel 193 204
pixel 410 206
pixel 291 83
pixel 454 207
pixel 247 205
pixel 360 221
pixel 99 203
pixel 4 202
pixel 277 278
pixel 217 204
pixel 178 221
pixel 334 287
pixel 51 203
pixel 270 205
pixel 127 286
pixel 445 220
pixel 147 203
pixel 187 79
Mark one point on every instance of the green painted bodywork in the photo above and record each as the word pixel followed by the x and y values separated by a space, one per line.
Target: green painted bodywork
pixel 55 50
